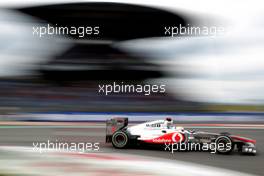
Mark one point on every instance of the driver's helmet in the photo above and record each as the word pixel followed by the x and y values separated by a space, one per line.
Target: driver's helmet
pixel 168 123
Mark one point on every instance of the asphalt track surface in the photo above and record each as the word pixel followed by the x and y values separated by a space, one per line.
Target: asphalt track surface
pixel 95 133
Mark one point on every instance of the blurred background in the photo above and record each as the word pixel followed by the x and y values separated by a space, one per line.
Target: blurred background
pixel 62 72
pixel 49 85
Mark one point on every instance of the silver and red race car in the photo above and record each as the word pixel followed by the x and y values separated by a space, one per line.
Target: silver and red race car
pixel 166 133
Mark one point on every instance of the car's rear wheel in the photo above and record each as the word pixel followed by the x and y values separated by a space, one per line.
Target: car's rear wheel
pixel 120 139
pixel 224 145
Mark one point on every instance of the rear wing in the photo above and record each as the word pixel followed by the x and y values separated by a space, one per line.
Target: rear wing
pixel 114 125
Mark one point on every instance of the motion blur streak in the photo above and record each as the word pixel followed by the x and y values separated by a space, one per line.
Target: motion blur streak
pixel 21 52
pixel 48 84
pixel 221 69
pixel 52 163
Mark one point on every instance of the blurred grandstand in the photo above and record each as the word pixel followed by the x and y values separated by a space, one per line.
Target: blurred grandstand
pixel 62 73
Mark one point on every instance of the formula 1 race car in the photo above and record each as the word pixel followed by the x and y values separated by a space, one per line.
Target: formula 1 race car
pixel 165 133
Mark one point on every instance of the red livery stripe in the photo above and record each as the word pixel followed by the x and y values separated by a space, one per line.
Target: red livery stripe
pixel 243 139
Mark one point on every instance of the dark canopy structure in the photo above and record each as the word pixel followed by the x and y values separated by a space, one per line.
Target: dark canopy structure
pixel 88 60
pixel 117 21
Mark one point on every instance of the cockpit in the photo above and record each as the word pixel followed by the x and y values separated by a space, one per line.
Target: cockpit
pixel 163 124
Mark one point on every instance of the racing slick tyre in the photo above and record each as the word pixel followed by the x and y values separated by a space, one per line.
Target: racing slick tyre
pixel 224 145
pixel 120 140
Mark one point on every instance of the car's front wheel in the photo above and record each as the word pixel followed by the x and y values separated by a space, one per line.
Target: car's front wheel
pixel 224 145
pixel 120 140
